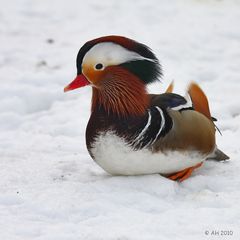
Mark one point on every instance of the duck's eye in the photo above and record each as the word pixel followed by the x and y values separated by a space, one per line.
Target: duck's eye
pixel 99 66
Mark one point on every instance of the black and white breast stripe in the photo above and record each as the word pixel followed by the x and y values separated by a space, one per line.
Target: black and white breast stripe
pixel 162 125
pixel 157 125
pixel 140 136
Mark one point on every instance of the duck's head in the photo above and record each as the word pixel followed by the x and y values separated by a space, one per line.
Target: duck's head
pixel 118 69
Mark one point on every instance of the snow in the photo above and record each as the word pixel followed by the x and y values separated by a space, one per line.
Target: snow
pixel 50 188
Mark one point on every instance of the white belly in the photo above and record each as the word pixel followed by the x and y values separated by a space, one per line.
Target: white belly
pixel 117 158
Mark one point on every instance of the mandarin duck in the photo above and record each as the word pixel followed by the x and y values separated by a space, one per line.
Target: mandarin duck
pixel 131 132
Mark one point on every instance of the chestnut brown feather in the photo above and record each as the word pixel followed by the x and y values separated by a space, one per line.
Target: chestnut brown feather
pixel 120 93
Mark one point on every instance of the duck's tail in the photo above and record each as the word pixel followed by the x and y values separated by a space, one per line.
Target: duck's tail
pixel 200 104
pixel 218 155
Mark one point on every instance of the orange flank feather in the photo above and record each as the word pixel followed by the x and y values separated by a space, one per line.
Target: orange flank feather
pixel 170 88
pixel 199 100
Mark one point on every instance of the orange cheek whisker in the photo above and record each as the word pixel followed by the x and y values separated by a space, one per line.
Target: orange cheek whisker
pixel 121 93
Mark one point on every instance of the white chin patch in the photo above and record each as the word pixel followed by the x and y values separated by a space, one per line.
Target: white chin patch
pixel 117 158
pixel 110 54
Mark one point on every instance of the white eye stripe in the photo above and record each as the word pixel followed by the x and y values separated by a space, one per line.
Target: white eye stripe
pixel 108 53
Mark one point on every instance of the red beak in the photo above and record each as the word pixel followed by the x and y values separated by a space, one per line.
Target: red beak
pixel 79 81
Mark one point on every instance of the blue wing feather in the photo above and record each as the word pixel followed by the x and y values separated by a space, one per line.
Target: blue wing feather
pixel 167 100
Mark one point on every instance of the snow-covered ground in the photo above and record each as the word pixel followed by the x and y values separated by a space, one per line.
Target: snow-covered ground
pixel 50 189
